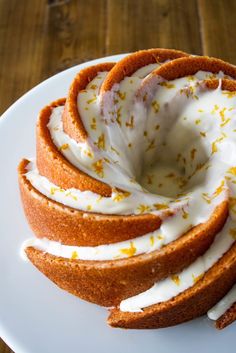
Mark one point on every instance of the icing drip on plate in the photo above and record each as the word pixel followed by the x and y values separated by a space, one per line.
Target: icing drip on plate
pixel 224 304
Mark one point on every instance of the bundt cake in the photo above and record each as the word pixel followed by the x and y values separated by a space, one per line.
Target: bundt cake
pixel 132 196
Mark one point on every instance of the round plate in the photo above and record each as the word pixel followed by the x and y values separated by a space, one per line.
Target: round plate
pixel 35 315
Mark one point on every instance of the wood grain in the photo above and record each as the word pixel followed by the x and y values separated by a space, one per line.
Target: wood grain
pixel 217 27
pixel 76 32
pixel 21 43
pixel 4 348
pixel 134 25
pixel 41 37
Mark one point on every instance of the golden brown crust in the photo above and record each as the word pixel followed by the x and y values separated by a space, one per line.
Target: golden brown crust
pixel 72 122
pixel 190 304
pixel 73 227
pixel 227 318
pixel 63 172
pixel 135 61
pixel 227 85
pixel 191 65
pixel 108 282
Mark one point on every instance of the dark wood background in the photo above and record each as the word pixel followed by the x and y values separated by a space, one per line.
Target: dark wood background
pixel 39 38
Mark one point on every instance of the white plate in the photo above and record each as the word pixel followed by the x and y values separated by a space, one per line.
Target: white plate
pixel 35 315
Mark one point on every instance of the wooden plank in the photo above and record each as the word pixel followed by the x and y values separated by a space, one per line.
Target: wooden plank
pixel 217 27
pixel 138 24
pixel 75 33
pixel 4 348
pixel 21 38
pixel 38 39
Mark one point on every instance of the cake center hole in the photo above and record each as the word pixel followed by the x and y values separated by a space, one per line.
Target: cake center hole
pixel 163 179
pixel 176 166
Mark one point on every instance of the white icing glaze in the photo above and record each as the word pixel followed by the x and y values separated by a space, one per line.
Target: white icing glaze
pixel 146 70
pixel 165 145
pixel 127 203
pixel 195 150
pixel 199 199
pixel 224 304
pixel 172 286
pixel 139 245
pixel 119 203
pixel 118 165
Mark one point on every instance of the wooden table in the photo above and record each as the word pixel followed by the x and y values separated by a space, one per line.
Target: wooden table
pixel 39 38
